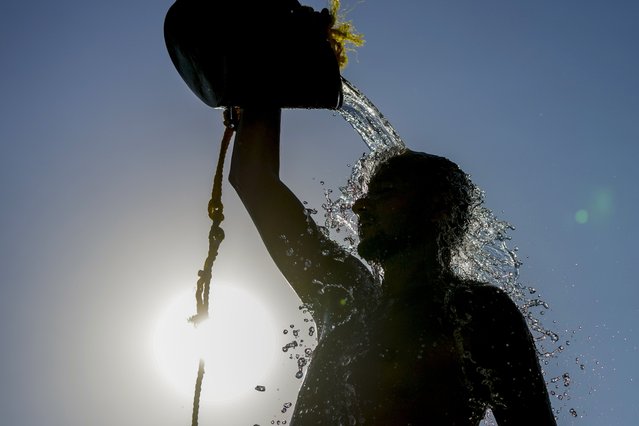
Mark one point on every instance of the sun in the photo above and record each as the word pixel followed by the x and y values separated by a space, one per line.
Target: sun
pixel 238 344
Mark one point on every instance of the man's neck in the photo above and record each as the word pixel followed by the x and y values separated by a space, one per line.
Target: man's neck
pixel 414 269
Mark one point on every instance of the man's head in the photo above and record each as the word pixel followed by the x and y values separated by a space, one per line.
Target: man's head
pixel 414 200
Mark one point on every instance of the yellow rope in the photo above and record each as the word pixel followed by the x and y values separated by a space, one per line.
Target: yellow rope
pixel 342 34
pixel 216 235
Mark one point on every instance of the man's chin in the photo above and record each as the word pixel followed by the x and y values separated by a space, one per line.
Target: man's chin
pixel 371 250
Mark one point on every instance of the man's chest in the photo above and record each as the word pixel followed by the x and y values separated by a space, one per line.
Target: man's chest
pixel 408 350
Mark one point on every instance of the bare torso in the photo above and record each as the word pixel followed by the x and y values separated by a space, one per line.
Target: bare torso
pixel 397 364
pixel 407 358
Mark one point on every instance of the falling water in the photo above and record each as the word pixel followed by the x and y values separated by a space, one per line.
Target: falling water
pixel 378 134
pixel 483 256
pixel 382 140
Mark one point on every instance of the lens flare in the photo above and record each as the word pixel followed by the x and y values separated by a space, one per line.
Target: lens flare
pixel 581 216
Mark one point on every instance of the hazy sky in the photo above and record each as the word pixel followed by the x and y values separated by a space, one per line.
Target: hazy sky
pixel 107 161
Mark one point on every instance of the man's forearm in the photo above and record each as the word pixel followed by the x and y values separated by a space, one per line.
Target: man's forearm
pixel 256 151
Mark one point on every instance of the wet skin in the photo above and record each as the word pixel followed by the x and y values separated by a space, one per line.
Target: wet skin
pixel 429 349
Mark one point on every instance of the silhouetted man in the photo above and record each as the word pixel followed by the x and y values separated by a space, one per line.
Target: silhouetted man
pixel 425 348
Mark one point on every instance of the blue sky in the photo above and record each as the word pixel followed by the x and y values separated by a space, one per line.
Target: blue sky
pixel 107 159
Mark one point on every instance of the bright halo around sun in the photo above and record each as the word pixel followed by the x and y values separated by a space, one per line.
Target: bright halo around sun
pixel 238 344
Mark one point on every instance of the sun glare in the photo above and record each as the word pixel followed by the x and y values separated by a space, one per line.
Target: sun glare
pixel 238 344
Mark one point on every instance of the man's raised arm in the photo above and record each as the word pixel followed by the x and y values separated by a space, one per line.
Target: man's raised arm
pixel 310 261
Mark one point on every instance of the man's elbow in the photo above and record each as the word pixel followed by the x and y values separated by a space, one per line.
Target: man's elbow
pixel 235 179
pixel 243 179
pixel 252 185
pixel 243 185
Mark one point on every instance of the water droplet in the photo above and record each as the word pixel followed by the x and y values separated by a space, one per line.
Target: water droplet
pixel 573 412
pixel 260 388
pixel 484 254
pixel 290 345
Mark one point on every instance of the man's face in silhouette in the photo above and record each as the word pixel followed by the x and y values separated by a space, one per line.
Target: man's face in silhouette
pixel 412 199
pixel 393 215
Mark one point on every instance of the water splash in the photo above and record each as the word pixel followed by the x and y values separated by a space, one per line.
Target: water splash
pixel 301 348
pixel 484 254
pixel 299 342
pixel 382 140
pixel 376 131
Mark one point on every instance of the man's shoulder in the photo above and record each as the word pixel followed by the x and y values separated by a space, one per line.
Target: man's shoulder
pixel 484 305
pixel 478 295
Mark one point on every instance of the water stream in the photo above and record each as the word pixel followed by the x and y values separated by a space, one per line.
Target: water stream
pixel 484 255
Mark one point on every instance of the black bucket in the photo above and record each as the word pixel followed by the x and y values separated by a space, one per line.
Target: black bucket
pixel 254 53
